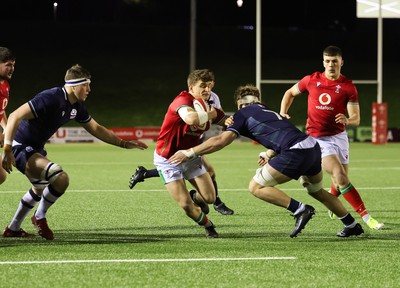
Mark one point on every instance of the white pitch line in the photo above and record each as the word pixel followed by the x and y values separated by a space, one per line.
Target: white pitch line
pixel 163 190
pixel 144 260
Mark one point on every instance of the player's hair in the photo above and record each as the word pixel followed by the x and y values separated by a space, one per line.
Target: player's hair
pixel 77 72
pixel 203 75
pixel 247 90
pixel 6 55
pixel 332 51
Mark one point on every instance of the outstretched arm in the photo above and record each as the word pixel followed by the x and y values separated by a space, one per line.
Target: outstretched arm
pixel 109 137
pixel 211 145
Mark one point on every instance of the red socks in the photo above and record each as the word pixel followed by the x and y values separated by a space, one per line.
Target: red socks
pixel 351 195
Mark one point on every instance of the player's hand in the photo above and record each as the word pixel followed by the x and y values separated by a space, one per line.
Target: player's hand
pixel 181 156
pixel 212 113
pixel 131 144
pixel 264 157
pixel 229 121
pixel 285 115
pixel 7 161
pixel 342 119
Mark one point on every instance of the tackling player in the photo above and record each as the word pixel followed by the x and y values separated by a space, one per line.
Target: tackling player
pixel 28 129
pixel 330 95
pixel 296 155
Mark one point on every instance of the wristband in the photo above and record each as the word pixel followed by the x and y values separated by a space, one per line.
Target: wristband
pixel 7 142
pixel 203 117
pixel 189 153
pixel 264 155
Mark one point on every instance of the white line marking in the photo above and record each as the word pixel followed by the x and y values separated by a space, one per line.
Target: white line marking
pixel 163 190
pixel 145 260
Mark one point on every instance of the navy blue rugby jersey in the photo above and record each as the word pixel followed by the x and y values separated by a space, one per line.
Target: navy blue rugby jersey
pixel 267 127
pixel 51 110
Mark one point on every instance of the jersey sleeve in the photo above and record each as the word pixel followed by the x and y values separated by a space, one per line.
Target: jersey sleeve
pixel 180 101
pixel 82 115
pixel 353 95
pixel 303 83
pixel 238 121
pixel 40 103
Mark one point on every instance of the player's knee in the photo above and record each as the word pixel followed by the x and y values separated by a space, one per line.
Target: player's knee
pixel 257 189
pixel 187 207
pixel 313 187
pixel 263 178
pixel 212 174
pixel 252 187
pixel 62 182
pixel 56 176
pixel 209 198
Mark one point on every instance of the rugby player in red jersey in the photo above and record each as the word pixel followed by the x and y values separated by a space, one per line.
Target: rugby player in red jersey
pixel 181 129
pixel 332 96
pixel 7 64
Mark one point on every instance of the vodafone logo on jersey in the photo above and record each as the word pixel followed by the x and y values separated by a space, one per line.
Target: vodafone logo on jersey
pixel 325 99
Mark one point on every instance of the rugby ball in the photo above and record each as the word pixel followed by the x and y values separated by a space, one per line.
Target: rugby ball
pixel 200 105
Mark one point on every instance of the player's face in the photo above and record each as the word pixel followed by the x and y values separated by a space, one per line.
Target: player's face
pixel 333 65
pixel 201 90
pixel 7 70
pixel 81 92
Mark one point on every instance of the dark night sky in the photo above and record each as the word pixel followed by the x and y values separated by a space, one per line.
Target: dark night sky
pixel 300 13
pixel 26 21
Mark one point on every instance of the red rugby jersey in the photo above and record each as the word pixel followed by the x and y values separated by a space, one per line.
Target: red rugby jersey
pixel 175 134
pixel 326 98
pixel 4 96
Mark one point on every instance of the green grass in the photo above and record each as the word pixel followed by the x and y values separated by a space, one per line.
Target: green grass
pixel 100 220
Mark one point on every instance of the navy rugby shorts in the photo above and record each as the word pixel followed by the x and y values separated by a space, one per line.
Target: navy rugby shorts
pixel 297 162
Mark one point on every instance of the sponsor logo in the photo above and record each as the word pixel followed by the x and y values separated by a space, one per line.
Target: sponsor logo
pixel 324 108
pixel 325 99
pixel 73 114
pixel 28 149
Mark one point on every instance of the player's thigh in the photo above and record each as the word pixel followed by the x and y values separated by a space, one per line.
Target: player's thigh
pixel 205 187
pixel 35 165
pixel 178 191
pixel 332 165
pixel 208 166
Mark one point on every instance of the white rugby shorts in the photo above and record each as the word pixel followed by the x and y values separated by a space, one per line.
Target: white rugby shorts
pixel 335 145
pixel 187 170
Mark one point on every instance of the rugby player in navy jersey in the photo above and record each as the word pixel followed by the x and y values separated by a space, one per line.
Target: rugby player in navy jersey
pixel 291 155
pixel 27 131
